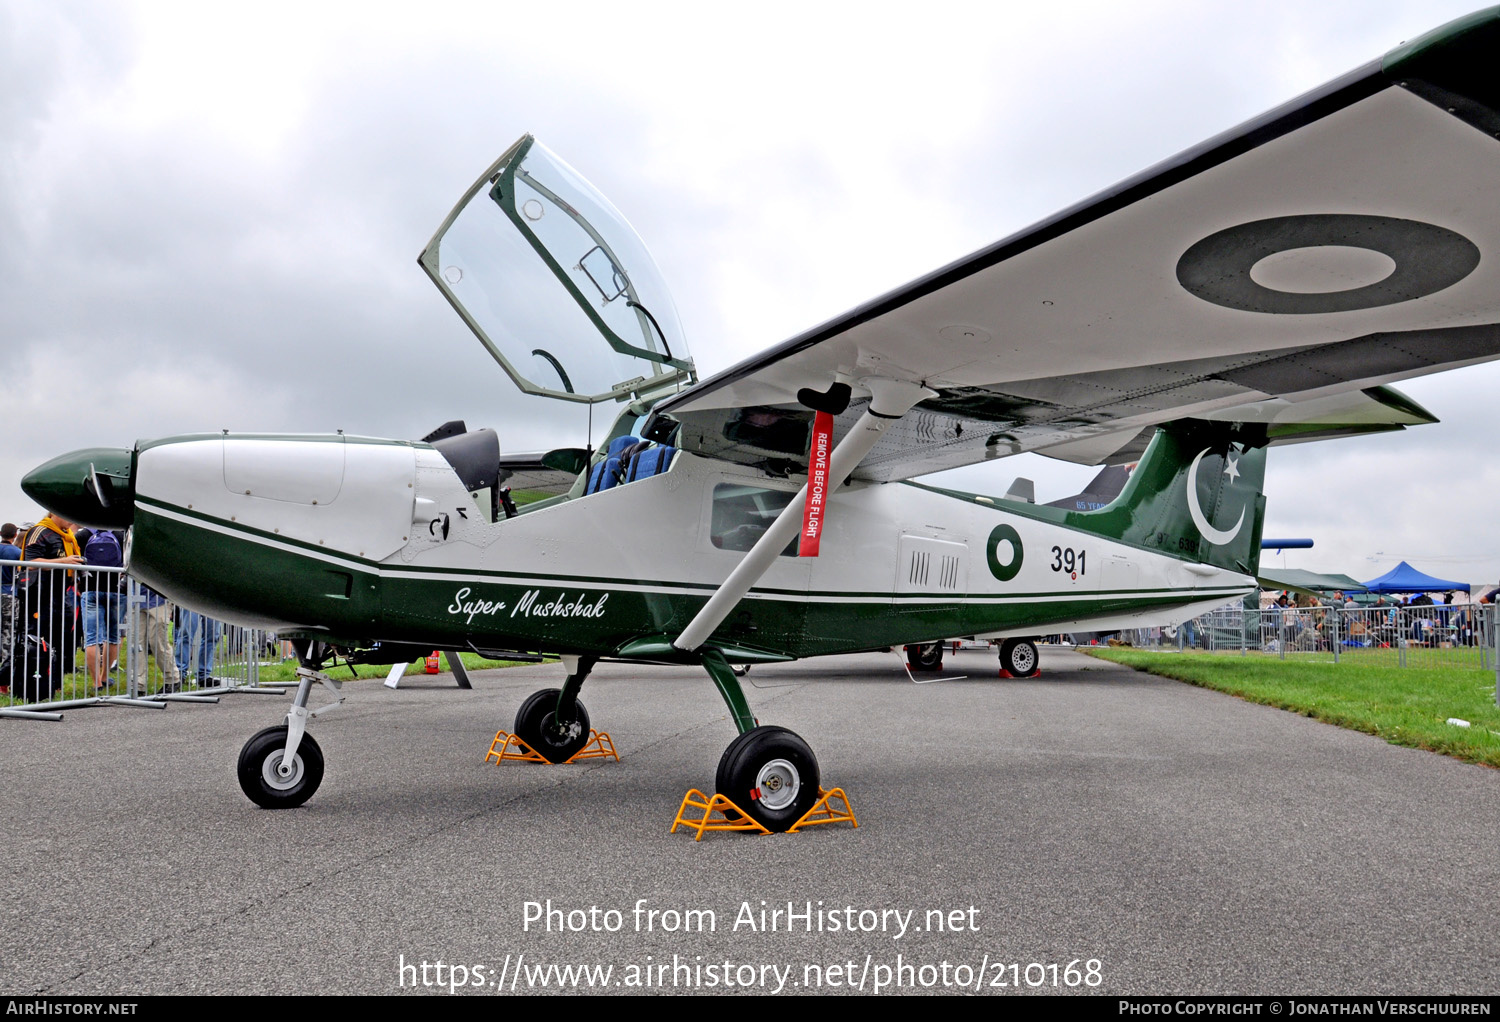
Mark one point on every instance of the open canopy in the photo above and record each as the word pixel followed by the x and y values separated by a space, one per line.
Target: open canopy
pixel 1403 578
pixel 556 284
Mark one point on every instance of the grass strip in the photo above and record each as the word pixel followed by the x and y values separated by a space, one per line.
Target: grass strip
pixel 287 669
pixel 1405 706
pixel 78 685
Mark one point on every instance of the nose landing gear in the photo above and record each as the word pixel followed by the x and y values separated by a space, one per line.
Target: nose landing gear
pixel 271 782
pixel 553 722
pixel 925 657
pixel 280 767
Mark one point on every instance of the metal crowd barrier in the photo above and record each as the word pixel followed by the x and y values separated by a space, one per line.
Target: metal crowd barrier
pixel 146 651
pixel 1396 635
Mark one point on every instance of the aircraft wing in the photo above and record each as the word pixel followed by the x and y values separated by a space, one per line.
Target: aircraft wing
pixel 534 476
pixel 1283 272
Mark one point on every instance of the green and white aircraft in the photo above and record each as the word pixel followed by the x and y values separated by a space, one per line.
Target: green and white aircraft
pixel 1263 288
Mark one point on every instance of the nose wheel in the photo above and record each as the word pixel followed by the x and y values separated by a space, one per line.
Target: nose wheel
pixel 280 767
pixel 771 774
pixel 270 781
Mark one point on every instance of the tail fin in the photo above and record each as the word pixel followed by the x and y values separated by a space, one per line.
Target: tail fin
pixel 1196 494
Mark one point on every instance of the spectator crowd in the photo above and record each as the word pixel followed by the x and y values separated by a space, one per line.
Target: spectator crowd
pixel 1305 623
pixel 47 615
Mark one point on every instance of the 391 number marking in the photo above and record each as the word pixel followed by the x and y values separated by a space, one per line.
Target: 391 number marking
pixel 1069 560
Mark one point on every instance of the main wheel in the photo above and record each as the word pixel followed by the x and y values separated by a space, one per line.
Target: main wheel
pixel 1019 657
pixel 926 657
pixel 770 773
pixel 260 773
pixel 537 725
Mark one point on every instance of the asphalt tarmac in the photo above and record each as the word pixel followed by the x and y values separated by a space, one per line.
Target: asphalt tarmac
pixel 1094 830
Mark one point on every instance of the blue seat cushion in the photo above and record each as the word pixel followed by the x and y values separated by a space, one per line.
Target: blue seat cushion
pixel 595 478
pixel 618 445
pixel 650 462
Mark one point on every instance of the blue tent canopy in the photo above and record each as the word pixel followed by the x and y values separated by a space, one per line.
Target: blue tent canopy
pixel 1403 578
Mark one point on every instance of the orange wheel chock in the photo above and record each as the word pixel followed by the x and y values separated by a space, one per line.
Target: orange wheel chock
pixel 823 811
pixel 508 746
pixel 732 817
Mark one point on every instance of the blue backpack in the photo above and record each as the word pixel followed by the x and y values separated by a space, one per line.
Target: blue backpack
pixel 103 550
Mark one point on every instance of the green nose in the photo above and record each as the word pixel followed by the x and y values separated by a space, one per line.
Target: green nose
pixel 91 487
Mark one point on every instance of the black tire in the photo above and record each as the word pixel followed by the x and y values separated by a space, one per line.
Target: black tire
pixel 536 725
pixel 741 670
pixel 771 774
pixel 926 657
pixel 1019 657
pixel 258 764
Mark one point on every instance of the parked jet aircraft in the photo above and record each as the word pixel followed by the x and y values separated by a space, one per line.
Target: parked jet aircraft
pixel 1263 288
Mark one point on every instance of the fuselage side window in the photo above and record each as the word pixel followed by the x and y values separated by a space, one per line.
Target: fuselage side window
pixel 742 514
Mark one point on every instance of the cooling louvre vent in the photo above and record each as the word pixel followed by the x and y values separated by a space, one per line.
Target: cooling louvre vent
pixel 936 566
pixel 927 570
pixel 920 561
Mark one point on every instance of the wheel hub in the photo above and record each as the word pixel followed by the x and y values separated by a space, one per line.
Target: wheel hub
pixel 275 776
pixel 778 783
pixel 561 732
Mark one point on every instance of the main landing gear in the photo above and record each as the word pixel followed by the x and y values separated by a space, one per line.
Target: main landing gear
pixel 1018 658
pixel 769 772
pixel 925 657
pixel 552 721
pixel 280 767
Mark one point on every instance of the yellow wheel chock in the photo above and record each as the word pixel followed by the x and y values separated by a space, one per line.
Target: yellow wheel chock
pixel 823 811
pixel 732 817
pixel 508 746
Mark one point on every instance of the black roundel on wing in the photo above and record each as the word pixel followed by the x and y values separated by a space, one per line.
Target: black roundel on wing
pixel 1428 258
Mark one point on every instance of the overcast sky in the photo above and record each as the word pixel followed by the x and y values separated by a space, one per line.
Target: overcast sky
pixel 211 214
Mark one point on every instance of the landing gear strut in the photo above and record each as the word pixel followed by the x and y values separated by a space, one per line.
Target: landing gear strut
pixel 553 722
pixel 769 772
pixel 280 767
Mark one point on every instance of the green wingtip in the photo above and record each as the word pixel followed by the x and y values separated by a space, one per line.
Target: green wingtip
pixel 1453 68
pixel 1478 30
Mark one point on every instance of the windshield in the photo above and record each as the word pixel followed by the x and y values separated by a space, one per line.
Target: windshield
pixel 556 284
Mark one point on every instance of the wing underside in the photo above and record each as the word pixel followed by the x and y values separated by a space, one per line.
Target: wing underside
pixel 534 476
pixel 1285 272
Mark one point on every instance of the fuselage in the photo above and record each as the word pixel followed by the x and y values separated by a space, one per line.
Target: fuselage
pixel 357 540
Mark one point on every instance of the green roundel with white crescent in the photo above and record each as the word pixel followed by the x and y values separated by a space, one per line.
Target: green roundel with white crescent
pixel 1004 563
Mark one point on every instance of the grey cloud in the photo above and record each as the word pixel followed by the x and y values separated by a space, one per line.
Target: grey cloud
pixel 277 288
